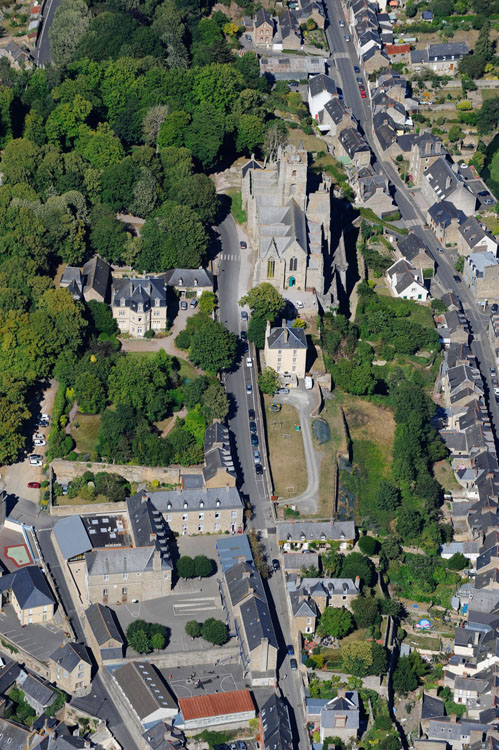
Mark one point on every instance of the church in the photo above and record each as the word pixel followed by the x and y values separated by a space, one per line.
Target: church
pixel 289 227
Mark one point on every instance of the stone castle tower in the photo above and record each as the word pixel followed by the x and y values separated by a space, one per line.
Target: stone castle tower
pixel 292 174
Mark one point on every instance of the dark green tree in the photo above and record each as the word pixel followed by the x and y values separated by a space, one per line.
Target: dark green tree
pixel 355 565
pixel 193 628
pixel 365 610
pixel 213 347
pixel 336 621
pixel 203 566
pixel 215 631
pixel 186 567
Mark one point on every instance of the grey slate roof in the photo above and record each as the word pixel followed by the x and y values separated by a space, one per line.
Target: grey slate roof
pixel 449 51
pixel 318 84
pixel 336 110
pixel 148 526
pixel 167 501
pixel 139 291
pixel 96 275
pixel 353 142
pixel 441 177
pixel 12 735
pixel 287 338
pixel 432 707
pixel 102 622
pixel 277 733
pixel 411 246
pixel 257 623
pixel 298 560
pixel 244 580
pixel 217 451
pixel 314 531
pixel 444 212
pixel 262 16
pixel 144 687
pixel 473 233
pixel 289 25
pixel 37 690
pixel 233 549
pixel 347 705
pixel 8 675
pixel 191 277
pixel 419 56
pixel 123 560
pixel 29 586
pixel 69 655
pixel 72 536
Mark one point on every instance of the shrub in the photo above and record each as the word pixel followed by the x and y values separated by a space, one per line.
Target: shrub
pixel 368 545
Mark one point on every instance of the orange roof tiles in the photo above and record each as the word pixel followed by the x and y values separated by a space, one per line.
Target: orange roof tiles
pixel 397 49
pixel 216 704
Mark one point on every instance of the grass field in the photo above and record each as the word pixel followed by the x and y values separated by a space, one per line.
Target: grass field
pixel 236 207
pixel 287 457
pixel 445 476
pixel 338 444
pixel 65 500
pixel 85 430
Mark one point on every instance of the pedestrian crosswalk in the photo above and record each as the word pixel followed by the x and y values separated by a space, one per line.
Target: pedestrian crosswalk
pixel 412 222
pixel 229 256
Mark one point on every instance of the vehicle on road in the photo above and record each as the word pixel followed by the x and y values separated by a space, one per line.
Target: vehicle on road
pixel 183 305
pixel 259 469
pixel 247 36
pixel 360 81
pixel 497 398
pixel 457 279
pixel 34 485
pixel 342 24
pixel 244 336
pixel 194 302
pixel 249 388
pixel 291 651
pixel 244 315
pixel 35 459
pixel 356 69
pixel 257 457
pixel 241 745
pixel 281 391
pixel 251 415
pixel 363 94
pixel 309 383
pixel 243 245
pixel 252 425
pixel 233 746
pixel 492 371
pixel 299 304
pixel 39 441
pixel 249 362
pixel 494 308
pixel 347 37
pixel 275 565
pixel 293 664
pixel 254 440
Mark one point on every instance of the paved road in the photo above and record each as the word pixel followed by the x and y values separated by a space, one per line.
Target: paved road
pixel 42 53
pixel 232 275
pixel 343 58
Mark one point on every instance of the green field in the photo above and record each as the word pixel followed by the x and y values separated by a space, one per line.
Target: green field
pixel 85 430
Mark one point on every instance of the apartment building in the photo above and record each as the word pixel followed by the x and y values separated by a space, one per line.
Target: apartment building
pixel 30 595
pixel 71 667
pixel 139 305
pixel 286 352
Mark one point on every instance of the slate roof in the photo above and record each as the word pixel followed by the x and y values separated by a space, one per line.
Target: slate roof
pixel 443 212
pixel 13 735
pixel 352 142
pixel 432 707
pixel 8 675
pixel 102 622
pixel 429 144
pixel 216 704
pixel 139 291
pixel 167 501
pixel 411 246
pixel 289 25
pixel 262 16
pixel 123 560
pixel 96 275
pixel 277 733
pixel 442 178
pixel 336 110
pixel 217 451
pixel 29 586
pixel 419 56
pixel 37 690
pixel 447 51
pixel 287 338
pixel 72 537
pixel 473 233
pixel 69 655
pixel 244 580
pixel 257 623
pixel 318 84
pixel 405 274
pixel 298 560
pixel 231 549
pixel 144 687
pixel 347 705
pixel 191 277
pixel 314 531
pixel 148 526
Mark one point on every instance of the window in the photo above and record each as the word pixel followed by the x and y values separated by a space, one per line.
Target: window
pixel 156 313
pixel 156 302
pixel 104 593
pixel 217 514
pixel 340 721
pixel 217 526
pixel 184 517
pixel 140 307
pixel 124 591
pixel 200 526
pixel 233 514
pixel 30 612
pixel 293 264
pixel 169 517
pixel 44 617
pixel 294 368
pixel 66 674
pixel 184 530
pixel 270 269
pixel 200 516
pixel 122 312
pixel 292 189
pixel 122 302
pixel 125 576
pixel 106 577
pixel 293 173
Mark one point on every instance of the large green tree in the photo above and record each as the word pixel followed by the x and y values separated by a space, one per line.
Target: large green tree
pixel 213 347
pixel 264 300
pixel 336 621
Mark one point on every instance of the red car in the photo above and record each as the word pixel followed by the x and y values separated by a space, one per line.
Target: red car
pixel 34 485
pixel 363 93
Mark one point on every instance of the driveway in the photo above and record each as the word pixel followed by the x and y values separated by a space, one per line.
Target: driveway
pixel 304 402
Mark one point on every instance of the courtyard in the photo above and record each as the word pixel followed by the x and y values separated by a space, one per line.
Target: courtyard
pixel 38 640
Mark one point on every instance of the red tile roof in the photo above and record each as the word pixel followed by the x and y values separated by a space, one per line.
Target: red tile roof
pixel 397 49
pixel 216 704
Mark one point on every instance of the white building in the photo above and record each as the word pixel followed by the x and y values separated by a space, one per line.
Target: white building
pixel 407 282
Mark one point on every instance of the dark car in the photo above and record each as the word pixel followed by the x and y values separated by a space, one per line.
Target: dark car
pixel 183 305
pixel 457 279
pixel 244 336
pixel 360 81
pixel 251 414
pixel 275 565
pixel 243 245
pixel 291 651
pixel 347 37
pixel 293 84
pixel 259 469
pixel 282 391
pixel 254 440
pixel 483 193
pixel 249 388
pixel 252 426
pixel 293 664
pixel 494 308
pixel 244 315
pixel 356 69
pixel 34 485
pixel 194 303
pixel 241 745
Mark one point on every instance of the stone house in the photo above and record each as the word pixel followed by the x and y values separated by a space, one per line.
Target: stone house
pixel 426 149
pixel 289 31
pixel 275 726
pixel 406 281
pixel 139 305
pixel 338 717
pixel 288 226
pixel 309 597
pixel 218 470
pixel 473 238
pixel 398 52
pixel 374 59
pixel 286 352
pixel 263 29
pixel 29 594
pixel 71 667
pixel 90 282
pixel 481 275
pixel 355 147
pixel 444 220
pixel 103 633
pixel 189 281
pixel 441 182
pixel 300 535
pixel 37 693
pixel 334 118
pixel 415 251
pixel 444 58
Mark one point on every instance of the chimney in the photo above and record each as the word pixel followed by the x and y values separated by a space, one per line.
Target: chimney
pixel 357 582
pixel 156 561
pixel 267 330
pixel 143 497
pixel 341 692
pixel 453 718
pixel 286 335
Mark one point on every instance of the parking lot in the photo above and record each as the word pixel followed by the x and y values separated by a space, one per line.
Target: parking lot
pixel 38 640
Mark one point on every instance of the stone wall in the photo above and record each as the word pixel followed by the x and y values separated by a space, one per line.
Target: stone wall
pixel 70 469
pixel 222 654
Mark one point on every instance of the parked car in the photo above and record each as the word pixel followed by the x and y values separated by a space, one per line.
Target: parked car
pixel 356 69
pixel 34 485
pixel 65 488
pixel 342 24
pixel 299 304
pixel 293 84
pixel 347 37
pixel 241 745
pixel 183 305
pixel 483 193
pixel 244 315
pixel 256 456
pixel 39 441
pixel 457 279
pixel 275 565
pixel 252 425
pixel 46 417
pixel 254 440
pixel 494 308
pixel 247 36
pixel 194 302
pixel 259 469
pixel 291 651
pixel 35 460
pixel 249 388
pixel 244 336
pixel 251 415
pixel 233 746
pixel 363 94
pixel 489 201
pixel 293 664
pixel 492 370
pixel 281 391
pixel 243 245
pixel 360 80
pixel 249 362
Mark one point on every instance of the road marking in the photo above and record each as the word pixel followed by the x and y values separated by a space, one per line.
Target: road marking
pixel 192 606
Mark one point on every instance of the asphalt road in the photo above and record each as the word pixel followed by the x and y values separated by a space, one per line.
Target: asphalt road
pixel 342 61
pixel 42 55
pixel 252 486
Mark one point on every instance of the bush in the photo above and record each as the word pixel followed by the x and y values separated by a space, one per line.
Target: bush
pixel 183 340
pixel 368 545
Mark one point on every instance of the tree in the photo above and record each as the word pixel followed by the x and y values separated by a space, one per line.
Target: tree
pixel 113 486
pixel 454 133
pixel 268 380
pixel 387 496
pixel 101 318
pixel 250 134
pixel 264 300
pixel 257 328
pixel 380 659
pixel 19 161
pixel 193 629
pixel 368 545
pixel 357 658
pixel 215 631
pixel 391 607
pixel 172 130
pixel 213 347
pixel 158 641
pixel 152 122
pixel 90 393
pixel 138 639
pixel 488 116
pixel 442 8
pixel 404 678
pixel 335 621
pixel 355 565
pixel 409 523
pixel 410 9
pixel 332 562
pixel 365 611
pixel 107 234
pixel 207 302
pixel 215 404
pixel 205 134
pixel 71 21
pixel 276 137
pixel 172 237
pixel 218 85
pixel 186 567
pixel 203 566
pixel 458 562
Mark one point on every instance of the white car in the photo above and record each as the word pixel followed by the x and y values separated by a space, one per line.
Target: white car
pixel 45 417
pixel 249 362
pixel 299 304
pixel 39 441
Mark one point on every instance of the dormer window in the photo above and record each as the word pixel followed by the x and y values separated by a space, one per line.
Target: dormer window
pixel 201 503
pixel 169 506
pixel 185 504
pixel 156 302
pixel 195 282
pixel 122 302
pixel 180 281
pixel 141 307
pixel 218 503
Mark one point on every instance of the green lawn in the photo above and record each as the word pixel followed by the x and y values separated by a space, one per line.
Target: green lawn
pixel 85 430
pixel 236 207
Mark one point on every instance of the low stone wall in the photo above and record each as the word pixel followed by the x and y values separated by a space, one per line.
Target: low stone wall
pixel 94 508
pixel 71 469
pixel 24 657
pixel 223 655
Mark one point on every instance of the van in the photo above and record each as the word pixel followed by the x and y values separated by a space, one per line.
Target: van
pixel 35 460
pixel 309 383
